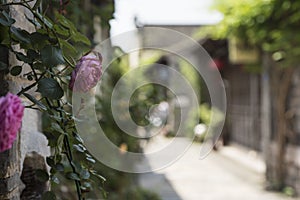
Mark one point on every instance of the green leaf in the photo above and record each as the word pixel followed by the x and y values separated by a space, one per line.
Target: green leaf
pixel 52 138
pixel 20 35
pixel 16 70
pixel 54 179
pixel 95 173
pixel 81 48
pixel 38 37
pixel 5 19
pixel 57 128
pixel 38 65
pixel 78 138
pixel 61 30
pixel 79 148
pixel 59 167
pixel 49 195
pixel 52 56
pixel 4 22
pixel 90 159
pixel 35 101
pixel 32 54
pixel 39 40
pixel 60 140
pixel 65 22
pixel 68 48
pixel 53 41
pixel 42 175
pixel 78 37
pixel 77 164
pixel 58 158
pixel 87 184
pixel 50 161
pixel 72 176
pixel 4 37
pixel 45 20
pixel 33 21
pixel 22 57
pixel 50 88
pixel 36 5
pixel 85 174
pixel 3 66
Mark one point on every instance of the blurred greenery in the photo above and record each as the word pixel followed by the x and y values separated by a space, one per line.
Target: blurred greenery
pixel 268 24
pixel 109 79
pixel 289 191
pixel 121 185
pixel 54 41
pixel 192 75
pixel 203 114
pixel 82 13
pixel 116 184
pixel 140 194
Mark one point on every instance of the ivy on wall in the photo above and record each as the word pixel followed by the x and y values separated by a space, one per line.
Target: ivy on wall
pixel 51 52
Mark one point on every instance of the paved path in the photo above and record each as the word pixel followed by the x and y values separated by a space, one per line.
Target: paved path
pixel 218 177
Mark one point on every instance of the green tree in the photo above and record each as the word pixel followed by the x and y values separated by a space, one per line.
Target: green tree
pixel 269 25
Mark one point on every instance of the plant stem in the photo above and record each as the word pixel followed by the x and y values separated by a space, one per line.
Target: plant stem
pixel 16 3
pixel 70 159
pixel 31 86
pixel 70 156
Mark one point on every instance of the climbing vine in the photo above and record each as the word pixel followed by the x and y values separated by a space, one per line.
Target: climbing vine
pixel 53 55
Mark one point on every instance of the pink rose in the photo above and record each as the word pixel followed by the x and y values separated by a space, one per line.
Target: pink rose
pixel 87 73
pixel 11 113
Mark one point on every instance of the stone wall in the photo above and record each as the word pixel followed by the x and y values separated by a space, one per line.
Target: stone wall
pixel 30 149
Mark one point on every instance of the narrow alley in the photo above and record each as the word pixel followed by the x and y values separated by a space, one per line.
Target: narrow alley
pixel 228 174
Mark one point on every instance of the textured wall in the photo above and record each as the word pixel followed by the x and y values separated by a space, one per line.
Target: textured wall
pixel 30 144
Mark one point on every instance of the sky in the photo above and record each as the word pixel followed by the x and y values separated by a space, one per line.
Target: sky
pixel 162 12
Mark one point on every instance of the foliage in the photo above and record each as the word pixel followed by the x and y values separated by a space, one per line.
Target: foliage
pixel 204 114
pixel 150 56
pixel 47 56
pixel 151 94
pixel 271 25
pixel 83 12
pixel 192 75
pixel 289 191
pixel 119 184
pixel 194 78
pixel 103 107
pixel 116 180
pixel 51 52
pixel 268 24
pixel 141 194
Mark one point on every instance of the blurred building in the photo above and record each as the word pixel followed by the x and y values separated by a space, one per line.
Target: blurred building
pixel 249 86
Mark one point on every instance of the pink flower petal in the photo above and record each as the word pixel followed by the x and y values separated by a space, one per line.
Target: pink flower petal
pixel 11 114
pixel 87 73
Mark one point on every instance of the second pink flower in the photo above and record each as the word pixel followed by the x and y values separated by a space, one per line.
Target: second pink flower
pixel 87 73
